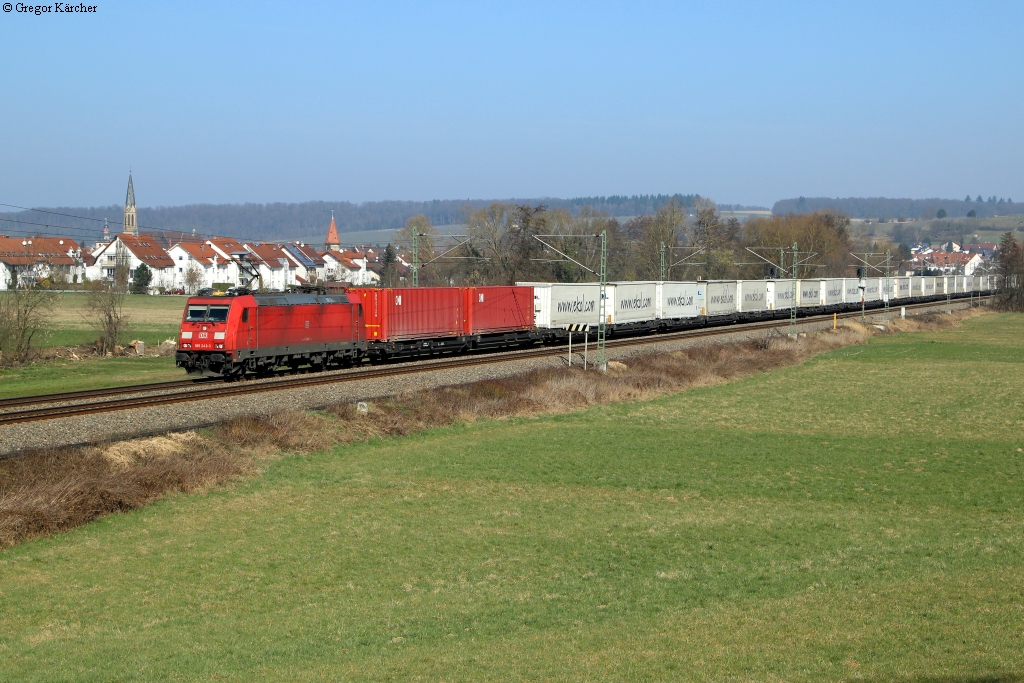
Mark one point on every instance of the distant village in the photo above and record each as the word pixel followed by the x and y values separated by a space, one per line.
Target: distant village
pixel 186 263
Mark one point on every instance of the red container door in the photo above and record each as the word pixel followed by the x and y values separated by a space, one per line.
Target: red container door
pixel 423 312
pixel 499 309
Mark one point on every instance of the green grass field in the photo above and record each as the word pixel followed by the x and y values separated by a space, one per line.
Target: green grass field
pixel 90 373
pixel 150 318
pixel 855 517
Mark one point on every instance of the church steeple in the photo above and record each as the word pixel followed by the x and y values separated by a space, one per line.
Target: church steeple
pixel 333 242
pixel 131 224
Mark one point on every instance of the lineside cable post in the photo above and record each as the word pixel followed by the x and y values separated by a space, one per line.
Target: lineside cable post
pixel 949 305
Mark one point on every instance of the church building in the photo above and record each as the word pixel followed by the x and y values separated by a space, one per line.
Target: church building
pixel 131 222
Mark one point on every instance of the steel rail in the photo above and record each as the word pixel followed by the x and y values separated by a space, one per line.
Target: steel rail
pixel 310 380
pixel 94 393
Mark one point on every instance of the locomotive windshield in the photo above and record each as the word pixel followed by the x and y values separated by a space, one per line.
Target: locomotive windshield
pixel 218 314
pixel 196 314
pixel 213 314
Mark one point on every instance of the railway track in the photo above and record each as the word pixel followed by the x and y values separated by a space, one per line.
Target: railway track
pixel 98 393
pixel 193 390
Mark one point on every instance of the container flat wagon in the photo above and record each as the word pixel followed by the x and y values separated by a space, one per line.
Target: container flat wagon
pixel 811 296
pixel 409 321
pixel 753 298
pixel 634 306
pixel 498 316
pixel 681 304
pixel 561 308
pixel 872 289
pixel 832 289
pixel 887 288
pixel 853 293
pixel 721 300
pixel 782 294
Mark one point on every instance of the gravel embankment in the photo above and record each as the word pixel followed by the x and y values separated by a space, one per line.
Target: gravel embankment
pixel 187 415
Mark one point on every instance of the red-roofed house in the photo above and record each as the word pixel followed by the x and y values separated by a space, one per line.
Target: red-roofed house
pixel 276 269
pixel 194 256
pixel 141 249
pixel 217 257
pixel 348 266
pixel 26 260
pixel 953 263
pixel 986 249
pixel 309 265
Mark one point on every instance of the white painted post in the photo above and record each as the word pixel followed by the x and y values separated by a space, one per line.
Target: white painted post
pixel 586 338
pixel 570 347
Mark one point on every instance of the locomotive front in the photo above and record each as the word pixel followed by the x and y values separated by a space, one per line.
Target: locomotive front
pixel 206 342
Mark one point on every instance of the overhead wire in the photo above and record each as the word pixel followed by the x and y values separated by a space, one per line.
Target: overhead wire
pixel 71 215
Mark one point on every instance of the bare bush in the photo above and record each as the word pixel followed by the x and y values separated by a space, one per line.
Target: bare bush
pixel 1010 264
pixel 105 308
pixel 23 315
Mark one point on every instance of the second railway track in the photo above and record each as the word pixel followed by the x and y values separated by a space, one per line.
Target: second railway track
pixel 193 390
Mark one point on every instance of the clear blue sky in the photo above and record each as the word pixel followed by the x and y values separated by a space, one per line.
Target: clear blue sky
pixel 742 102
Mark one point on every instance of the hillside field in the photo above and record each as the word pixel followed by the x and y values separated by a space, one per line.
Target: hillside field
pixel 856 517
pixel 151 319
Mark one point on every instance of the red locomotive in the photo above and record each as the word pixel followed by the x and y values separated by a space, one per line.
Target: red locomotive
pixel 258 333
pixel 229 336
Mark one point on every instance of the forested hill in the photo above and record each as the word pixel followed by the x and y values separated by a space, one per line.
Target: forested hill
pixel 882 207
pixel 307 220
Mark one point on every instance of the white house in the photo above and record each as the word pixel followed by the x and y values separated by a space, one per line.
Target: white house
pixel 193 255
pixel 139 250
pixel 27 260
pixel 309 265
pixel 348 266
pixel 276 269
pixel 217 257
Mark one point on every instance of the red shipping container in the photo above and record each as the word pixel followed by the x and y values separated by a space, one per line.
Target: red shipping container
pixel 498 309
pixel 411 312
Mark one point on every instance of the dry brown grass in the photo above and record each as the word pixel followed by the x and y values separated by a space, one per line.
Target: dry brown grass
pixel 50 491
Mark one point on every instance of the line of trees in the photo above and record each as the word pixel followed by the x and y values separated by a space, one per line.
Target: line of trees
pixel 309 220
pixel 506 243
pixel 1010 266
pixel 886 208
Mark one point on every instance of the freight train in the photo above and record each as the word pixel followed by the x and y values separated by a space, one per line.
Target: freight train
pixel 262 333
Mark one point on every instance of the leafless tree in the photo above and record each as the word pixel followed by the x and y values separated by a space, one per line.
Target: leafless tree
pixel 105 308
pixel 1010 268
pixel 505 234
pixel 122 267
pixel 23 316
pixel 193 277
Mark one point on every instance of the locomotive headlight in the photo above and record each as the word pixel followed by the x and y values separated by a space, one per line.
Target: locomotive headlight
pixel 186 335
pixel 218 346
pixel 218 335
pixel 186 346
